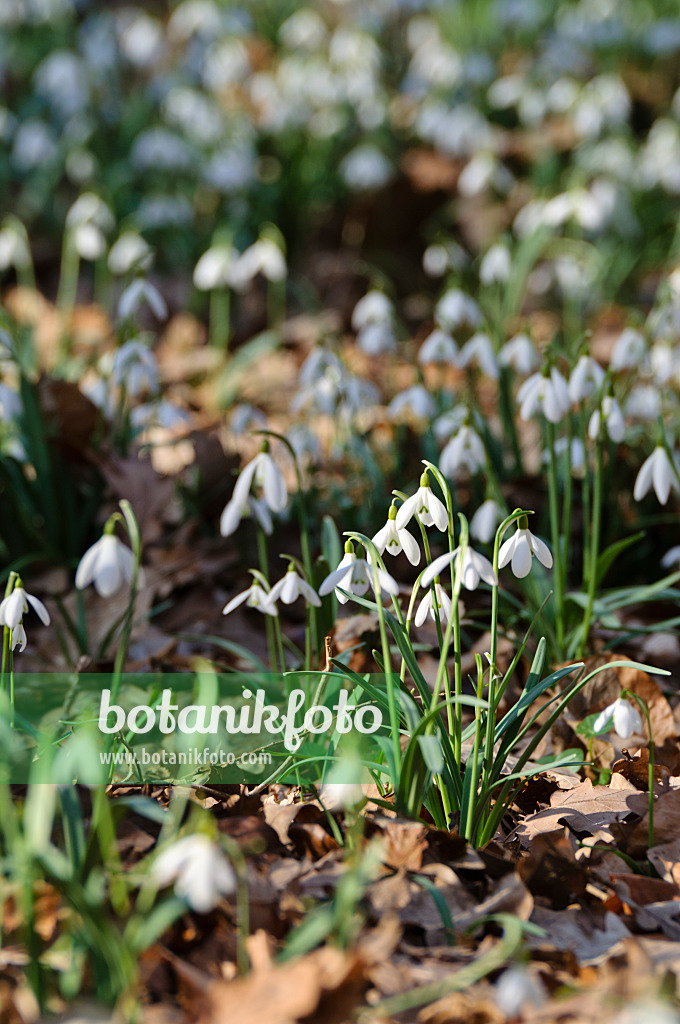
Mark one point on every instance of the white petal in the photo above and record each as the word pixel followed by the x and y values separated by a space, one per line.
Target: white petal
pixel 423 608
pixel 39 608
pixel 438 512
pixel 644 478
pixel 407 510
pixel 242 486
pixel 308 592
pixel 507 550
pixel 236 601
pixel 335 578
pixel 380 538
pixel 541 550
pixel 290 591
pixel 85 570
pixel 662 475
pixel 435 568
pixel 230 518
pixel 410 546
pixel 275 493
pixel 521 556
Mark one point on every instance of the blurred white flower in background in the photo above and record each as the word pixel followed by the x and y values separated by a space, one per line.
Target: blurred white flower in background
pixel 548 395
pixel 200 871
pixel 135 369
pixel 520 354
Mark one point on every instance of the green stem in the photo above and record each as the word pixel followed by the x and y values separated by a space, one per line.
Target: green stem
pixel 594 547
pixel 220 318
pixel 264 569
pixel 642 704
pixel 556 544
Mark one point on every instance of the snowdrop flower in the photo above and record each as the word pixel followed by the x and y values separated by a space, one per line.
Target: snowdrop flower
pixel 262 257
pixel 516 990
pixel 107 564
pixel 577 455
pixel 394 541
pixel 586 379
pixel 426 606
pixel 200 871
pixel 355 575
pixel 426 505
pixel 520 354
pixel 475 568
pixel 89 241
pixel 546 394
pixel 129 252
pixel 629 350
pixel 456 309
pixel 136 294
pixel 376 339
pixel 374 308
pixel 450 422
pixel 621 716
pixel 18 635
pixel 656 471
pixel 485 520
pixel 15 605
pixel 14 248
pixel 464 452
pixel 643 402
pixel 290 587
pixel 520 548
pixel 479 350
pixel 613 420
pixel 671 558
pixel 415 400
pixel 135 369
pixel 215 268
pixel 254 597
pixel 263 472
pixel 438 347
pixel 495 267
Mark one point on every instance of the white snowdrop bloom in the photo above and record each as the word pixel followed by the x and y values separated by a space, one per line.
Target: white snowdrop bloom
pixel 255 596
pixel 194 17
pixel 19 639
pixel 135 369
pixel 15 605
pixel 643 402
pixel 138 293
pixel 475 567
pixel 450 422
pixel 415 401
pixel 263 472
pixel 520 354
pixel 200 871
pixel 355 575
pixel 90 209
pixel 456 309
pixel 14 248
pixel 341 796
pixel 426 606
pixel 129 252
pixel 393 540
pixel 245 417
pixel 305 29
pixel 262 257
pixel 479 349
pixel 577 455
pixel 365 168
pixel 613 421
pixel 629 350
pixel 107 565
pixel 425 505
pixel 547 395
pixel 671 558
pixel 464 453
pixel 376 339
pixel 442 256
pixel 482 172
pixel 485 521
pixel 585 380
pixel 89 241
pixel 215 268
pixel 658 472
pixel 620 716
pixel 495 267
pixel 290 587
pixel 517 990
pixel 520 548
pixel 34 145
pixel 374 308
pixel 438 347
pixel 664 360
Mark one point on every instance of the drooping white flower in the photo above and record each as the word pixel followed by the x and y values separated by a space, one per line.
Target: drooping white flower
pixel 456 309
pixel 656 471
pixel 254 597
pixel 129 252
pixel 629 350
pixel 475 567
pixel 355 575
pixel 620 716
pixel 135 368
pixel 263 472
pixel 416 400
pixel 464 453
pixel 438 347
pixel 495 266
pixel 262 257
pixel 643 400
pixel 107 564
pixel 586 379
pixel 546 394
pixel 374 308
pixel 426 606
pixel 377 339
pixel 15 605
pixel 18 635
pixel 485 520
pixel 426 505
pixel 137 293
pixel 613 421
pixel 479 350
pixel 520 548
pixel 520 354
pixel 290 587
pixel 671 558
pixel 215 268
pixel 394 540
pixel 200 871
